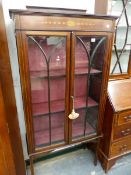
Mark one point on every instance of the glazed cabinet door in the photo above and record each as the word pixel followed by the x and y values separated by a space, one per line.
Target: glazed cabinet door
pixel 87 66
pixel 63 82
pixel 45 77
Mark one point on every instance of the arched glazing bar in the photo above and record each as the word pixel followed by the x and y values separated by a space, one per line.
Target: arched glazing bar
pixel 91 58
pixel 48 60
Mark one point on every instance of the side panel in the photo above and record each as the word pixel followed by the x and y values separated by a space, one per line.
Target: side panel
pixel 7 165
pixel 9 99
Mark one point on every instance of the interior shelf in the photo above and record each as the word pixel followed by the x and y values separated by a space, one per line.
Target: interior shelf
pixel 43 73
pixel 82 71
pixel 61 72
pixel 59 106
pixel 42 136
pixel 78 130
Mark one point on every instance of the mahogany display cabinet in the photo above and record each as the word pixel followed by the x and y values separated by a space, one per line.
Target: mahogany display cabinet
pixel 64 62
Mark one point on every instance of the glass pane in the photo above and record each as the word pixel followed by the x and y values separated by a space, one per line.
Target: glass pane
pixel 129 37
pixel 124 59
pixel 91 120
pixel 41 130
pixel 47 66
pixel 128 10
pixel 120 37
pixel 57 125
pixel 122 42
pixel 80 123
pixel 89 60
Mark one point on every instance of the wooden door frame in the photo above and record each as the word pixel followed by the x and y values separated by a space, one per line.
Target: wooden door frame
pixel 9 102
pixel 21 37
pixel 104 81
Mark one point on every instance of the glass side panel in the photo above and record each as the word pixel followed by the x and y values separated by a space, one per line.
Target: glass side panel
pixel 47 68
pixel 129 38
pixel 89 61
pixel 120 37
pixel 124 60
pixel 121 58
pixel 121 52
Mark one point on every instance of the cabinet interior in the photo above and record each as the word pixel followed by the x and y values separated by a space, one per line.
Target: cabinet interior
pixel 47 59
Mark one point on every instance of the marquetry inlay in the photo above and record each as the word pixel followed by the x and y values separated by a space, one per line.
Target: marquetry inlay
pixel 64 23
pixel 71 23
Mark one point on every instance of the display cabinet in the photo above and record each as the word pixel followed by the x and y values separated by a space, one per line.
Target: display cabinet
pixel 64 64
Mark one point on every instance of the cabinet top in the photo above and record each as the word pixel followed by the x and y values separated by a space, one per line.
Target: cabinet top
pixel 56 19
pixel 59 12
pixel 119 92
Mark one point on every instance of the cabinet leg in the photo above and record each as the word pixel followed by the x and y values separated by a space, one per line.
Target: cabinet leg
pixel 94 147
pixel 95 160
pixel 32 166
pixel 96 152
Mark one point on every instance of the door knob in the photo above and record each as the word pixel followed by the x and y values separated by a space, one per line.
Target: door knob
pixel 73 115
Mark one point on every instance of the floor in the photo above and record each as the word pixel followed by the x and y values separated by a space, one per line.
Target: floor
pixel 79 162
